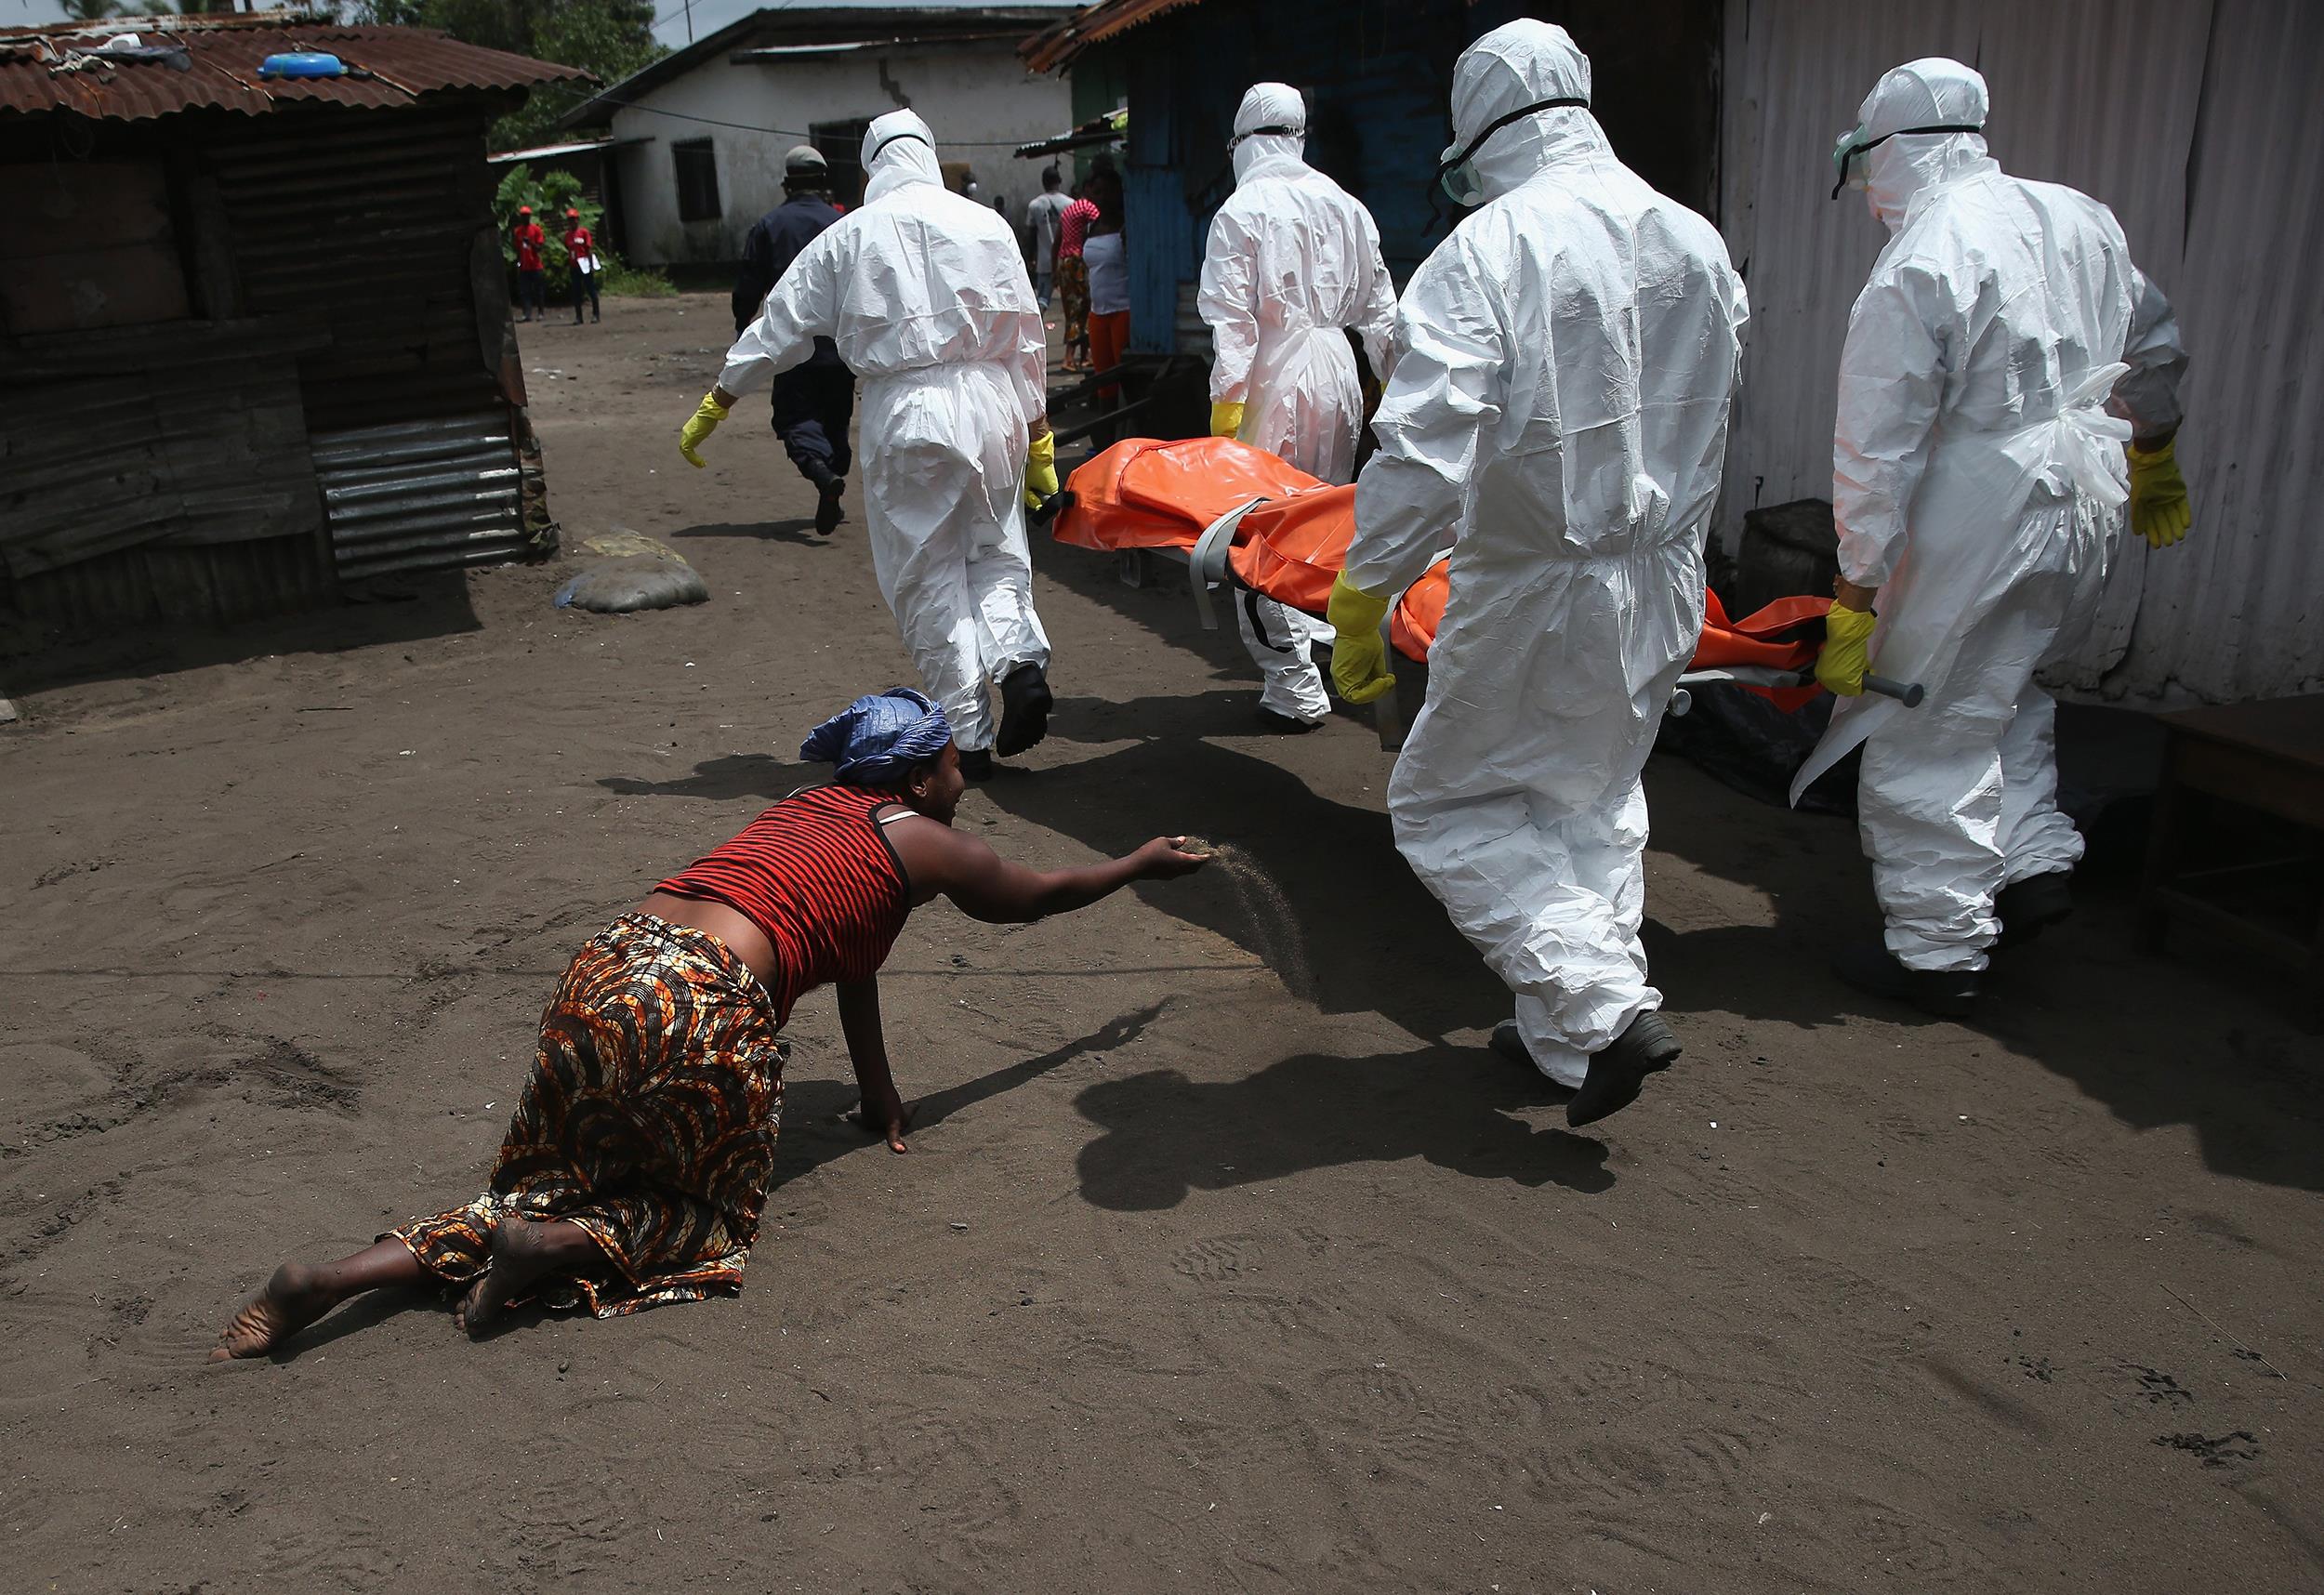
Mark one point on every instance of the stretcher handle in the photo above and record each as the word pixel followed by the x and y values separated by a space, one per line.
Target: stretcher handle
pixel 1050 507
pixel 1908 693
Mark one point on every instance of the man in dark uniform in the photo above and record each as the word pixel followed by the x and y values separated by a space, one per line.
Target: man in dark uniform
pixel 813 402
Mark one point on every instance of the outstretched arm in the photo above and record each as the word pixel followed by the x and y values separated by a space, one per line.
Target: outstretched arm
pixel 884 1113
pixel 943 862
pixel 1443 396
pixel 803 306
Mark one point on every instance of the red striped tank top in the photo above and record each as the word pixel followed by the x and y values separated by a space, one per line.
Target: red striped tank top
pixel 816 874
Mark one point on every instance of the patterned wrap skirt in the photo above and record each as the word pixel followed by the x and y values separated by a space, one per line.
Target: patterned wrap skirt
pixel 649 1122
pixel 1073 287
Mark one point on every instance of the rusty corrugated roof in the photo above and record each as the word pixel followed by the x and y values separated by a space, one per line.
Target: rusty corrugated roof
pixel 1056 46
pixel 388 66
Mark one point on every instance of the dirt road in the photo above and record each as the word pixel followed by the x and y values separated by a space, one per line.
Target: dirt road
pixel 1184 1284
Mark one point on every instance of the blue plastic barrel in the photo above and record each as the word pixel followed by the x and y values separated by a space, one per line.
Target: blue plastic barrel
pixel 303 63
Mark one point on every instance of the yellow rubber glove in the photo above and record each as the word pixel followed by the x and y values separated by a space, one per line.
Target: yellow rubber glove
pixel 1359 655
pixel 691 435
pixel 2158 506
pixel 1040 470
pixel 1847 642
pixel 1226 418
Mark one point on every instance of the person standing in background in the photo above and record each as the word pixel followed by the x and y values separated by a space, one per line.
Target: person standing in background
pixel 528 238
pixel 581 253
pixel 813 403
pixel 1105 255
pixel 1042 217
pixel 1073 273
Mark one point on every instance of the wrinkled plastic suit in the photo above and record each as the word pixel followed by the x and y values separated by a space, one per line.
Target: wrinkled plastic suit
pixel 1978 480
pixel 925 293
pixel 1564 365
pixel 1293 261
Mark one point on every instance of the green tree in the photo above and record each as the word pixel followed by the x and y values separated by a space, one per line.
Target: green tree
pixel 611 38
pixel 97 10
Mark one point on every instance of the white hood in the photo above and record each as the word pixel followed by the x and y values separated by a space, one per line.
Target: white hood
pixel 1516 65
pixel 898 149
pixel 1933 91
pixel 1269 105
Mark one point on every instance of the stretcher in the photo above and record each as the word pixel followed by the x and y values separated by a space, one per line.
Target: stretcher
pixel 1240 517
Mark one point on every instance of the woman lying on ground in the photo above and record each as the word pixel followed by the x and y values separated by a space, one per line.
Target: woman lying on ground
pixel 638 1158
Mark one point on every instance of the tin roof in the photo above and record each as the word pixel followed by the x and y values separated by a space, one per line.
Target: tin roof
pixel 1057 44
pixel 49 67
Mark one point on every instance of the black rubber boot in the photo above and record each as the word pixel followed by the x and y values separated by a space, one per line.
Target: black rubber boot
pixel 1025 707
pixel 1510 1044
pixel 1284 725
pixel 977 766
pixel 1619 1070
pixel 1943 994
pixel 2027 907
pixel 827 511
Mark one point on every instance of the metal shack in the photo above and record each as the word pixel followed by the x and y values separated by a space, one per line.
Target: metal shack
pixel 253 328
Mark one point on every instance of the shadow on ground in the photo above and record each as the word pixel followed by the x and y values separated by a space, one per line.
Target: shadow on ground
pixel 1164 1135
pixel 2191 1039
pixel 730 776
pixel 36 654
pixel 1376 941
pixel 799 532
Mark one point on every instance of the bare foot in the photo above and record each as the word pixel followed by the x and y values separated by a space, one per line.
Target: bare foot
pixel 292 1300
pixel 522 1251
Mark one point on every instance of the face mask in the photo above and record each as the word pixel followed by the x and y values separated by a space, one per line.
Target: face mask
pixel 893 138
pixel 1237 142
pixel 1457 169
pixel 1853 143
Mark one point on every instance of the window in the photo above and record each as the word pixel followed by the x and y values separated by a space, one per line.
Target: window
pixel 842 146
pixel 698 170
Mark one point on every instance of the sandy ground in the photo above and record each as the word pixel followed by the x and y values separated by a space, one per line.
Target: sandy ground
pixel 1184 1284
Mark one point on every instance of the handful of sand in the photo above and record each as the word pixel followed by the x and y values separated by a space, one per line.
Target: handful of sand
pixel 1273 926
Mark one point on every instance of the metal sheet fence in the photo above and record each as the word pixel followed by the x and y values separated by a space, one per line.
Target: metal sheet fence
pixel 2175 114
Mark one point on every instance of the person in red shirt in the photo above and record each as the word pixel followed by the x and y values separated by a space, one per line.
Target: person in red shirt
pixel 528 238
pixel 582 251
pixel 642 1149
pixel 1073 276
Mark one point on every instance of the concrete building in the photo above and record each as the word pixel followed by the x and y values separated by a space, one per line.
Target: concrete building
pixel 699 136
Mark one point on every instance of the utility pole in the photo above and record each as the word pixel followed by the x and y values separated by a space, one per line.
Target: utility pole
pixel 690 22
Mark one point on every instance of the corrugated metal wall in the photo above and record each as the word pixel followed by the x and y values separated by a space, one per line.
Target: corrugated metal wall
pixel 2192 121
pixel 421 494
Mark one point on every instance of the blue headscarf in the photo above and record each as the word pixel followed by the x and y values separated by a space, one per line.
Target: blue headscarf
pixel 880 737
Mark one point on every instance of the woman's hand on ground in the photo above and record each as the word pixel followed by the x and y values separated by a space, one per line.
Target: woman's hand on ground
pixel 887 1120
pixel 1166 858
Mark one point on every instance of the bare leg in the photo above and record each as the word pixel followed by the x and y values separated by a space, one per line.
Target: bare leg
pixel 299 1294
pixel 524 1252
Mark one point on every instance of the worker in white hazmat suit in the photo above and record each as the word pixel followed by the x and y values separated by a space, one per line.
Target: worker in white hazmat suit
pixel 1564 368
pixel 2001 356
pixel 1293 263
pixel 925 293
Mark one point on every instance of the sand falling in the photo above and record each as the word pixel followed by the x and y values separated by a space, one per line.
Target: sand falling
pixel 1273 926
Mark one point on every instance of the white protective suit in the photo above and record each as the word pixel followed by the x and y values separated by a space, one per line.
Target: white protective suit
pixel 1564 363
pixel 1979 482
pixel 1293 261
pixel 926 292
